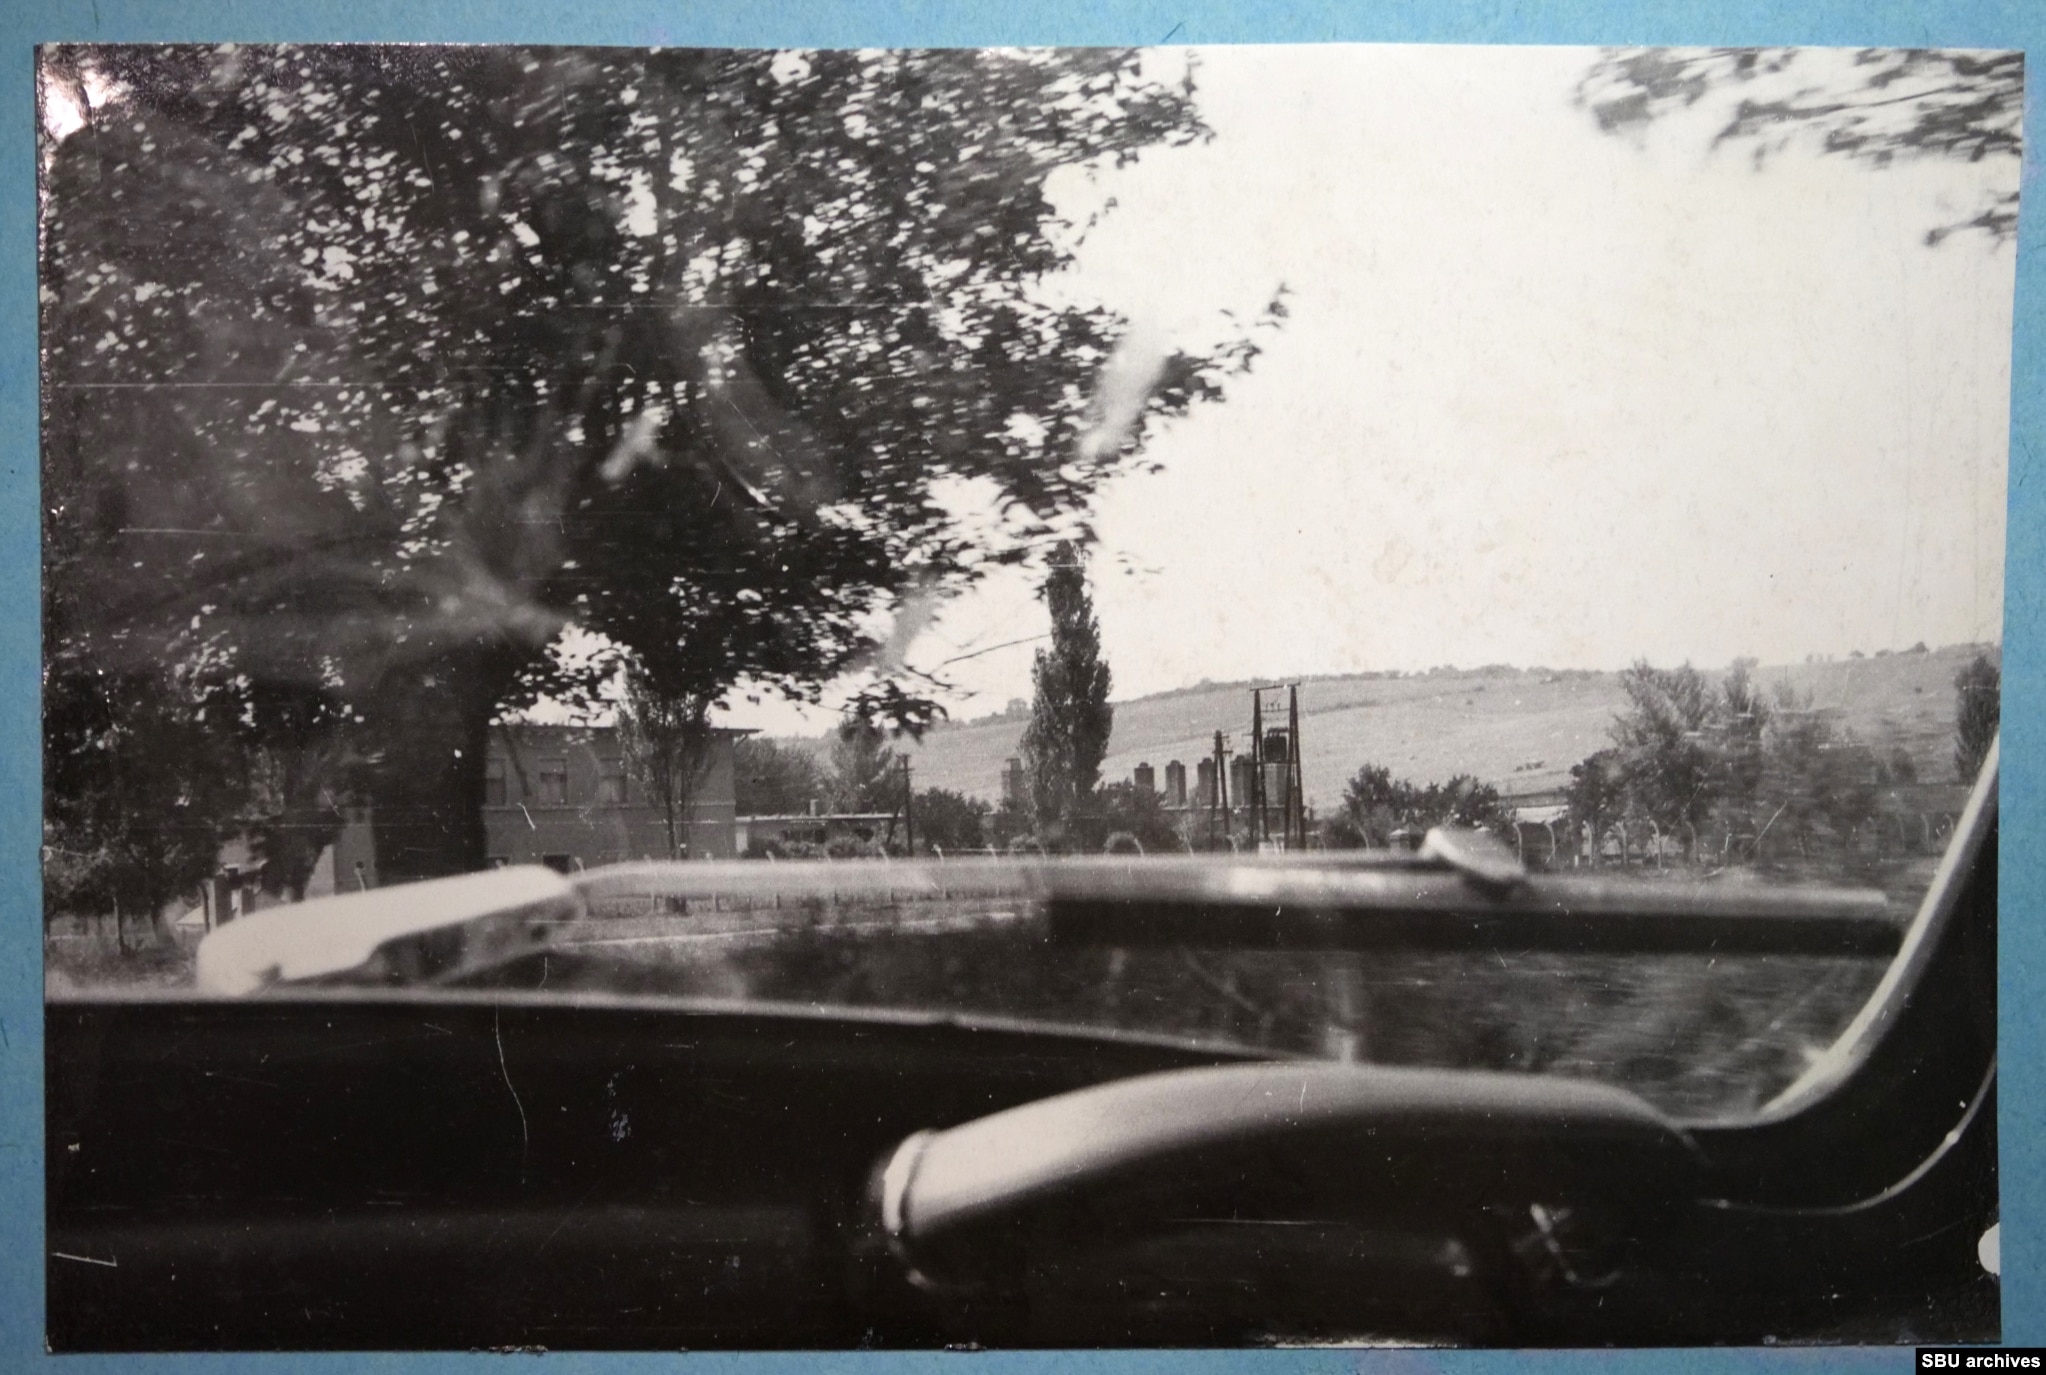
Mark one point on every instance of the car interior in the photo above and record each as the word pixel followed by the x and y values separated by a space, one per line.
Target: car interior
pixel 414 1145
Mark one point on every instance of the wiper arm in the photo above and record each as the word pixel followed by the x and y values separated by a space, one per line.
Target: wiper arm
pixel 442 931
pixel 1462 891
pixel 1475 855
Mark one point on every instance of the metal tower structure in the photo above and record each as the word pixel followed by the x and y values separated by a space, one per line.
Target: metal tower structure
pixel 1275 775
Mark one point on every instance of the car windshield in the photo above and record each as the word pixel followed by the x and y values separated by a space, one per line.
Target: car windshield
pixel 1698 1034
pixel 901 532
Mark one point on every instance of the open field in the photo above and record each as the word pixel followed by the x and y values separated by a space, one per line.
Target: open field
pixel 1518 729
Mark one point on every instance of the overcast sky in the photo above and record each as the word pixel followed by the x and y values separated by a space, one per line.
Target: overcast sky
pixel 1546 396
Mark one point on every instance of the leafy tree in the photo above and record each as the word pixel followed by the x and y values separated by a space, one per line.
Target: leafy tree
pixel 227 756
pixel 1887 105
pixel 1739 736
pixel 865 774
pixel 297 772
pixel 948 822
pixel 1462 801
pixel 1741 776
pixel 1597 796
pixel 1070 718
pixel 667 739
pixel 1124 810
pixel 140 796
pixel 1666 753
pixel 1978 704
pixel 474 344
pixel 775 779
pixel 1376 806
pixel 1820 783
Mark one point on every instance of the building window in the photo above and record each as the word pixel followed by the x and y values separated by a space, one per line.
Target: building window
pixel 493 783
pixel 611 783
pixel 552 781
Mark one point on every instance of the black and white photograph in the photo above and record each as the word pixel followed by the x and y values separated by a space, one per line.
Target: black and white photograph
pixel 1218 696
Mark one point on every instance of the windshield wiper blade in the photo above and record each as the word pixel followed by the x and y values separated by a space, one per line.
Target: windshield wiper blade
pixel 442 931
pixel 1460 891
pixel 1475 855
pixel 1464 892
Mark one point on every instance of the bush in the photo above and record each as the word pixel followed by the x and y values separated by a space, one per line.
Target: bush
pixel 948 821
pixel 1376 806
pixel 784 849
pixel 1123 810
pixel 852 847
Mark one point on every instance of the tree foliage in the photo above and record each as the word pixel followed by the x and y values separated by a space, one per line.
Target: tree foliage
pixel 1978 707
pixel 1740 740
pixel 667 737
pixel 866 775
pixel 1377 807
pixel 1665 753
pixel 1070 718
pixel 1876 105
pixel 1735 775
pixel 771 778
pixel 370 369
pixel 148 773
pixel 1597 795
pixel 138 804
pixel 950 822
pixel 1124 810
pixel 1820 781
pixel 298 771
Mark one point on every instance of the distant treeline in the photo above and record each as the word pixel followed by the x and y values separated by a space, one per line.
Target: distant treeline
pixel 1716 771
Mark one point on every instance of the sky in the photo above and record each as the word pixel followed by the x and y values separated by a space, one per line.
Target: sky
pixel 1546 396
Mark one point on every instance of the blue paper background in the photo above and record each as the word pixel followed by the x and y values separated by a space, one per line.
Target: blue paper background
pixel 774 23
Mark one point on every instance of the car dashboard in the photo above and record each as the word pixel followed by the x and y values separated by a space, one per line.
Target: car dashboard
pixel 479 1161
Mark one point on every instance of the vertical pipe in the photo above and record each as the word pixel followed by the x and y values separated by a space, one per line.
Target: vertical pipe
pixel 908 810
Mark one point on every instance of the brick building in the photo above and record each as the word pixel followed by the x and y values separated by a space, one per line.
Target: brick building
pixel 564 796
pixel 555 795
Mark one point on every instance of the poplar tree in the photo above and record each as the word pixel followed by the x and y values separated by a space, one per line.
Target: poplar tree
pixel 1070 718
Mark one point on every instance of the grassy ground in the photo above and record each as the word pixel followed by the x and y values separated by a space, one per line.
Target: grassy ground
pixel 80 955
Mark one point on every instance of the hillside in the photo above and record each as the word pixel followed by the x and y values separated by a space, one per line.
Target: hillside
pixel 1519 729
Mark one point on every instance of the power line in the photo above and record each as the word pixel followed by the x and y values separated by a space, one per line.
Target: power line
pixel 1006 644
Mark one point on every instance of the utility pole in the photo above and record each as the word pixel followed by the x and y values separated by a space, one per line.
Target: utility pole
pixel 1218 799
pixel 1260 824
pixel 908 810
pixel 1296 782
